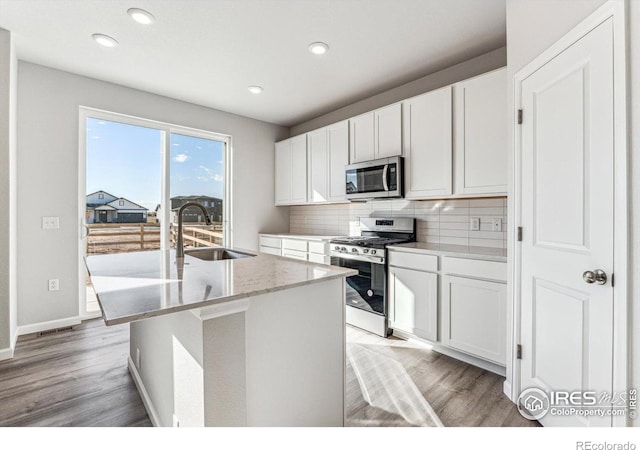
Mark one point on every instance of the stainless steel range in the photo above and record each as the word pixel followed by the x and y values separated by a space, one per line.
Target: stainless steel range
pixel 366 293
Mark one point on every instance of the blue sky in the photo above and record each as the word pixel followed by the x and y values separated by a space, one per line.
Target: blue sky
pixel 125 161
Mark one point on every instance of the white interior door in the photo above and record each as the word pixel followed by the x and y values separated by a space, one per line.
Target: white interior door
pixel 567 151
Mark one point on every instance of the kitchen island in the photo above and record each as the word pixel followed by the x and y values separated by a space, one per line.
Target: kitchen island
pixel 247 341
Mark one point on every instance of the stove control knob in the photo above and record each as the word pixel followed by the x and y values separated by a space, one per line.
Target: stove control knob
pixel 337 248
pixel 365 250
pixel 373 252
pixel 344 249
pixel 354 250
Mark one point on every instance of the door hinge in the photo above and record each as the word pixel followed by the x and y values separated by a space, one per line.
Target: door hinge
pixel 519 351
pixel 519 234
pixel 519 117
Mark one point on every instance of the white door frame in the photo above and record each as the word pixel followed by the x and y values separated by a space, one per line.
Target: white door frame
pixel 167 129
pixel 615 9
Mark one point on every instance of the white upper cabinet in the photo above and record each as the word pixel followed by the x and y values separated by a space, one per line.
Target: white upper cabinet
pixel 299 169
pixel 377 134
pixel 338 138
pixel 362 139
pixel 389 131
pixel 318 165
pixel 428 144
pixel 480 134
pixel 291 171
pixel 283 172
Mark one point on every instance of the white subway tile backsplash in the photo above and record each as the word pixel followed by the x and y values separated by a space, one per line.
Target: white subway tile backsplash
pixel 438 221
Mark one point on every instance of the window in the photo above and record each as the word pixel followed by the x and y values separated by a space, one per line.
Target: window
pixel 159 167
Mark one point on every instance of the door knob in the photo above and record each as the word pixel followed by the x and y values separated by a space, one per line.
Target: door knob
pixel 596 276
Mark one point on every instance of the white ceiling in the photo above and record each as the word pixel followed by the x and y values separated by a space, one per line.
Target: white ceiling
pixel 208 51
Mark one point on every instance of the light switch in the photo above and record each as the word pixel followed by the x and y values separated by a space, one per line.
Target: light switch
pixel 475 224
pixel 50 223
pixel 497 225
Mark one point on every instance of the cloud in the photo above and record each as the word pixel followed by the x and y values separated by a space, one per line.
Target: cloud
pixel 181 157
pixel 209 175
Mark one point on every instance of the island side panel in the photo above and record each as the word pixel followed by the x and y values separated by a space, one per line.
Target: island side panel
pixel 296 356
pixel 171 367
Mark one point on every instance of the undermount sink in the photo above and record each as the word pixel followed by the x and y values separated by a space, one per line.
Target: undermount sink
pixel 216 254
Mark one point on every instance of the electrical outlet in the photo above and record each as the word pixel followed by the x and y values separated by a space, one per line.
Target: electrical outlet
pixel 475 224
pixel 54 285
pixel 176 421
pixel 497 225
pixel 138 358
pixel 50 223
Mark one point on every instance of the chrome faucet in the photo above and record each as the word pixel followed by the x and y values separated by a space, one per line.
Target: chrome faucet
pixel 180 242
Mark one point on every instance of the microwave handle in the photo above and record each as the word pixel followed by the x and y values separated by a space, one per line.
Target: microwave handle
pixel 385 184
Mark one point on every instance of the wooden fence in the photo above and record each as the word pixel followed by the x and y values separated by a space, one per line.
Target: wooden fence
pixel 128 237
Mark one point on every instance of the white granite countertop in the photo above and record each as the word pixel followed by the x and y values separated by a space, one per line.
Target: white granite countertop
pixel 138 285
pixel 459 251
pixel 308 237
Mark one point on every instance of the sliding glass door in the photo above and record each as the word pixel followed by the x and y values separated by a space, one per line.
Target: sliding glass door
pixel 135 176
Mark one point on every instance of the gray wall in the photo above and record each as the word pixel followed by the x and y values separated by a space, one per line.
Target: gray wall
pixel 532 26
pixel 476 66
pixel 48 104
pixel 8 230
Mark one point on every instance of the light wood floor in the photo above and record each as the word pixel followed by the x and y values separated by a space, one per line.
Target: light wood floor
pixel 393 382
pixel 80 378
pixel 72 378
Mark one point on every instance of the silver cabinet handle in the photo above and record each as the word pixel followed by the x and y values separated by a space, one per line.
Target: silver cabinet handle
pixel 596 276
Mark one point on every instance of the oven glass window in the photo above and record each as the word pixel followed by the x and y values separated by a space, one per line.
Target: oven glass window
pixel 367 289
pixel 365 180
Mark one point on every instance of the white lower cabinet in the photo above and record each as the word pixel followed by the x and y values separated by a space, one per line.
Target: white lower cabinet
pixel 413 296
pixel 474 317
pixel 458 303
pixel 291 246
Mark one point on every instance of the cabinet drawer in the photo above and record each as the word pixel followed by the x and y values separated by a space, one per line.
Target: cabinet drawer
pixel 268 241
pixel 270 250
pixel 320 259
pixel 318 247
pixel 294 244
pixel 491 270
pixel 414 261
pixel 295 254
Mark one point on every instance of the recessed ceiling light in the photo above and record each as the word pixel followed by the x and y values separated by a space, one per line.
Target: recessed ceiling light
pixel 141 16
pixel 318 48
pixel 104 40
pixel 255 89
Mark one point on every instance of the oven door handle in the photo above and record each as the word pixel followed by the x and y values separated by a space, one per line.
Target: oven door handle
pixel 385 184
pixel 363 258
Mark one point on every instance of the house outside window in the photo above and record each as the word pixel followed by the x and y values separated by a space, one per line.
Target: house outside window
pixel 121 202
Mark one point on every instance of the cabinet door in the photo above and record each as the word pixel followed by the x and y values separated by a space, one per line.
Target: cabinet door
pixel 389 131
pixel 338 136
pixel 428 144
pixel 481 134
pixel 362 138
pixel 473 317
pixel 283 172
pixel 299 169
pixel 318 166
pixel 413 296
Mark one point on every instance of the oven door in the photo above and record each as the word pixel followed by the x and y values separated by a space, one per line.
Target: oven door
pixel 367 290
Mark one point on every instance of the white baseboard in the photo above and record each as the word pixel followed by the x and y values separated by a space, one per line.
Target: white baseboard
pixel 506 388
pixel 50 325
pixel 91 315
pixel 146 400
pixel 6 353
pixel 486 365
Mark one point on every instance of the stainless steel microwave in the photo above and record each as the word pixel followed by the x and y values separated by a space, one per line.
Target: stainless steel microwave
pixel 381 178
